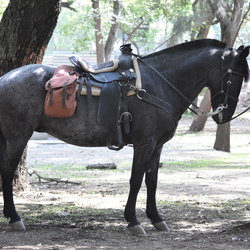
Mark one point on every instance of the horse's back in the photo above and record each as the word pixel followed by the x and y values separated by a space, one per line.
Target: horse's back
pixel 21 84
pixel 26 75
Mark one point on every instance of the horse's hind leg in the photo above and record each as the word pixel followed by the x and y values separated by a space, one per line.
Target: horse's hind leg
pixel 7 169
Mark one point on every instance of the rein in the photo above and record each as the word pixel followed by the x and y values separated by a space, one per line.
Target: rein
pixel 241 113
pixel 142 94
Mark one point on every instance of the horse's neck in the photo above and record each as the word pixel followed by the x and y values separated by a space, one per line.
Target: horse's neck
pixel 189 79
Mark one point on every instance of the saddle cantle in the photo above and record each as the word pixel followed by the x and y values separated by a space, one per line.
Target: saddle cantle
pixel 81 64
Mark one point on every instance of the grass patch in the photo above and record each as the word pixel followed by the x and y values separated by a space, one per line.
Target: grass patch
pixel 235 209
pixel 61 214
pixel 234 203
pixel 233 161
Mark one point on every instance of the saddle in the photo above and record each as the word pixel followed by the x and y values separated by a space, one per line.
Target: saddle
pixel 112 79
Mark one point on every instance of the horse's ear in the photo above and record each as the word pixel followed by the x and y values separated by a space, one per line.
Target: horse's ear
pixel 240 49
pixel 244 54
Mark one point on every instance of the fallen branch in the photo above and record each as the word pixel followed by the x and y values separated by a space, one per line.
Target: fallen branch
pixel 102 166
pixel 57 180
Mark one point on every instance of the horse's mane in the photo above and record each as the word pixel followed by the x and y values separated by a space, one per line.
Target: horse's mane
pixel 189 46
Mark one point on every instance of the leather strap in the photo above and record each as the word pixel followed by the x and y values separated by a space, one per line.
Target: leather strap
pixel 142 94
pixel 125 115
pixel 64 93
pixel 89 106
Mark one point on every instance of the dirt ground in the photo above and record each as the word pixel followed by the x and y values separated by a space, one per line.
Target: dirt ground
pixel 205 208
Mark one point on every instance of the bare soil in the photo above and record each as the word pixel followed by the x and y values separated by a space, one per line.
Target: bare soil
pixel 205 208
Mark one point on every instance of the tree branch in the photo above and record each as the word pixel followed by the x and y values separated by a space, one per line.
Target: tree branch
pixel 68 5
pixel 57 180
pixel 134 30
pixel 244 17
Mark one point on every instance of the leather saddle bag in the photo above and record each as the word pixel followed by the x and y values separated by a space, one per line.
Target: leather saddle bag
pixel 60 99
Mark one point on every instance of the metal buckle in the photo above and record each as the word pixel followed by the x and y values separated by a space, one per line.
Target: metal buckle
pixel 140 93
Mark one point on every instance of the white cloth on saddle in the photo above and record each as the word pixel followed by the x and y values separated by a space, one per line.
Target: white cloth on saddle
pixel 94 68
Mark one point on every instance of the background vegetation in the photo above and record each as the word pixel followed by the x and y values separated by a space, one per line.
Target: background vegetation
pixel 148 25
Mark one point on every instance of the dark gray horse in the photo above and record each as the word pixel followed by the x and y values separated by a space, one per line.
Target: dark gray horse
pixel 171 80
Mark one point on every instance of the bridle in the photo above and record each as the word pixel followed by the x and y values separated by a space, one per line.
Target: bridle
pixel 226 93
pixel 142 94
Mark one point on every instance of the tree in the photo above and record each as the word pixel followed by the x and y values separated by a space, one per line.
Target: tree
pixel 98 32
pixel 110 43
pixel 25 30
pixel 109 24
pixel 104 50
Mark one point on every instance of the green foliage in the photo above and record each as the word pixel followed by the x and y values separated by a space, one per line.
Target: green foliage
pixel 73 31
pixel 144 22
pixel 3 5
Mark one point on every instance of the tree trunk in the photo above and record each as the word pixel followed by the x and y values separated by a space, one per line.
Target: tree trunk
pixel 98 32
pixel 200 121
pixel 109 46
pixel 230 26
pixel 25 30
pixel 222 141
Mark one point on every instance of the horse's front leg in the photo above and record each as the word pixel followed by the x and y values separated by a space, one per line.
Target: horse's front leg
pixel 142 155
pixel 151 183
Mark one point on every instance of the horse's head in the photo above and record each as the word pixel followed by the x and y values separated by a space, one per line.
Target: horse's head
pixel 233 69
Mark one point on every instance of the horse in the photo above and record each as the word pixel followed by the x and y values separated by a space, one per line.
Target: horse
pixel 171 80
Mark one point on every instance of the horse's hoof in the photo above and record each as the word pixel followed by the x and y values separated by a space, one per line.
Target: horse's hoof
pixel 138 229
pixel 161 226
pixel 17 226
